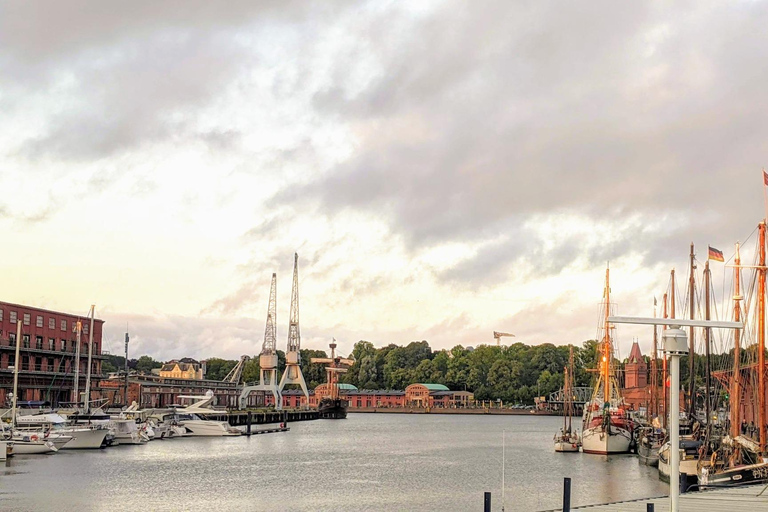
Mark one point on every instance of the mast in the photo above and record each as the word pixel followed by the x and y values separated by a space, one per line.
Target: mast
pixel 664 374
pixel 707 335
pixel 691 345
pixel 78 328
pixel 607 351
pixel 761 338
pixel 569 376
pixel 736 381
pixel 654 369
pixel 90 356
pixel 125 395
pixel 16 363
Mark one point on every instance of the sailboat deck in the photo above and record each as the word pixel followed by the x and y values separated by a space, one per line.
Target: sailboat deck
pixel 749 498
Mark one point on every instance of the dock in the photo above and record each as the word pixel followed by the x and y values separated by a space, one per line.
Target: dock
pixel 257 431
pixel 748 498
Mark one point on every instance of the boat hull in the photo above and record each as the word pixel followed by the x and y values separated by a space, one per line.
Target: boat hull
pixel 566 447
pixel 86 439
pixel 332 409
pixel 210 428
pixel 597 441
pixel 732 477
pixel 33 448
pixel 648 454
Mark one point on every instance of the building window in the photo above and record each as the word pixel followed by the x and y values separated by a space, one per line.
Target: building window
pixel 51 323
pixel 24 363
pixel 11 360
pixel 51 344
pixel 85 328
pixel 1 315
pixel 63 325
pixel 39 321
pixel 27 318
pixel 51 364
pixel 25 340
pixel 14 319
pixel 12 338
pixel 38 342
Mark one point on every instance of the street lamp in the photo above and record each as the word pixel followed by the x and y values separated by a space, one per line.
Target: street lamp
pixel 675 345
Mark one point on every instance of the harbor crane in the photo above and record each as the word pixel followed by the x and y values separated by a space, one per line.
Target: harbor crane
pixel 292 373
pixel 336 365
pixel 268 356
pixel 233 377
pixel 498 335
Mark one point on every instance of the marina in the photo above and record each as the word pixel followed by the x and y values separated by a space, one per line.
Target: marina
pixel 366 462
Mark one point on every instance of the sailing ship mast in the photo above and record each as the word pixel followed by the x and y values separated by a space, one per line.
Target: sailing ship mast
pixel 761 336
pixel 654 409
pixel 707 334
pixel 607 348
pixel 664 371
pixel 735 382
pixel 568 382
pixel 691 345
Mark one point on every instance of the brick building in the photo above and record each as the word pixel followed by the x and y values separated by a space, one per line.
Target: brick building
pixel 47 353
pixel 153 391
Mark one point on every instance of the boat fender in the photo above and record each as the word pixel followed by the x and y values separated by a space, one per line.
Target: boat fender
pixel 33 437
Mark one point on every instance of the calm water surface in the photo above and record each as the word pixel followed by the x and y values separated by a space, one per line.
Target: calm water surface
pixel 366 462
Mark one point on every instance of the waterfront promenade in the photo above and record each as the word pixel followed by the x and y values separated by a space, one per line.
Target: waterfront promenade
pixel 751 498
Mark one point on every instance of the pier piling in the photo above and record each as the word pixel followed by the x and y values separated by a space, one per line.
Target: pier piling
pixel 566 495
pixel 487 506
pixel 249 420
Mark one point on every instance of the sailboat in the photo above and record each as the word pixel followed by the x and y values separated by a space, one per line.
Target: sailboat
pixel 607 427
pixel 566 440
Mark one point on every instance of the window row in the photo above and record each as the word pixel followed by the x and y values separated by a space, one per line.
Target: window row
pixel 27 318
pixel 52 344
pixel 46 364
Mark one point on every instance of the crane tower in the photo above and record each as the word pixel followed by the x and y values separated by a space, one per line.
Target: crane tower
pixel 268 356
pixel 292 374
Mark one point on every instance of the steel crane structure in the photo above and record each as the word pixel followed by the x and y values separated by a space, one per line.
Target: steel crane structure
pixel 292 373
pixel 268 356
pixel 233 377
pixel 498 335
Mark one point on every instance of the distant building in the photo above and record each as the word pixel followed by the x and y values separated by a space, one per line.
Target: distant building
pixel 182 370
pixel 635 369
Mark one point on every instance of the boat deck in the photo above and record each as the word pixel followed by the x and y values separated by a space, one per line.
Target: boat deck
pixel 749 498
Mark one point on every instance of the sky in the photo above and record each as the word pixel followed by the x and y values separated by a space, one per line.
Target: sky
pixel 443 169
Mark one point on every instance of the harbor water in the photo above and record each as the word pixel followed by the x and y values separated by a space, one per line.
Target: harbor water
pixel 376 461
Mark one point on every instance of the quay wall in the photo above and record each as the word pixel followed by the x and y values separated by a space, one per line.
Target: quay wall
pixel 421 410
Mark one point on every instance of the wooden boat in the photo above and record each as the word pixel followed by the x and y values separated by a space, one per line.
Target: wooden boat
pixel 607 427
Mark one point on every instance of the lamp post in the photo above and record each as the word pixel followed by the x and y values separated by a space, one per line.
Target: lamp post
pixel 675 345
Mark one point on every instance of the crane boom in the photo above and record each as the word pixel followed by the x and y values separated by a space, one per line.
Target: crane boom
pixel 498 335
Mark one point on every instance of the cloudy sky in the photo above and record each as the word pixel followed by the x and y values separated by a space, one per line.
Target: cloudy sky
pixel 444 169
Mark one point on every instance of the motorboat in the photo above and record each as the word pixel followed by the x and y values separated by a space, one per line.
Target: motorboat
pixel 193 418
pixel 689 460
pixel 83 437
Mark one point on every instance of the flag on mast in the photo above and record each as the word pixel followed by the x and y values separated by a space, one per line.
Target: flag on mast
pixel 765 178
pixel 715 254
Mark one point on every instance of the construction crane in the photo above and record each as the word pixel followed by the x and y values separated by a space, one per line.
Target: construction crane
pixel 498 335
pixel 233 377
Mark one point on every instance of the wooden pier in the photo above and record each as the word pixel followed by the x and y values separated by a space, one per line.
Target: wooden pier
pixel 749 498
pixel 236 418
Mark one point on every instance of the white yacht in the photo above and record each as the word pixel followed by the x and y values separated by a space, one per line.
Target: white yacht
pixel 193 420
pixel 83 437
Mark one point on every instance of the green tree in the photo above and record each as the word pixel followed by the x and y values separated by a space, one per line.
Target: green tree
pixel 145 364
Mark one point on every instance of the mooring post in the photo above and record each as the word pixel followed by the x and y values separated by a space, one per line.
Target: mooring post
pixel 487 506
pixel 248 420
pixel 566 495
pixel 649 507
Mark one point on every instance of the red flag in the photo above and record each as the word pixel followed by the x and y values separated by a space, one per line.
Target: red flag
pixel 715 254
pixel 765 178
